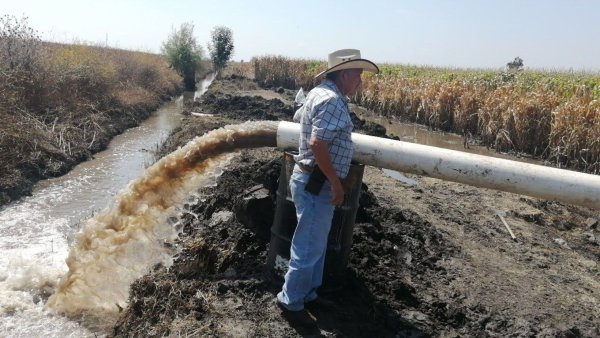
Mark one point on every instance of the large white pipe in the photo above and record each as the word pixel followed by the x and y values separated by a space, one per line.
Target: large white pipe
pixel 482 171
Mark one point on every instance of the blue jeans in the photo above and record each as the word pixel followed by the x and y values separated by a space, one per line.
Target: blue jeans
pixel 309 243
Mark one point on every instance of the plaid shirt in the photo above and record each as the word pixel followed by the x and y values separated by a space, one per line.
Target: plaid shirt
pixel 325 116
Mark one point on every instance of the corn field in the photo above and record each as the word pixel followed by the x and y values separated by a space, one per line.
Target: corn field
pixel 550 115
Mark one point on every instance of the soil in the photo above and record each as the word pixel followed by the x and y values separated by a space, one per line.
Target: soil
pixel 432 259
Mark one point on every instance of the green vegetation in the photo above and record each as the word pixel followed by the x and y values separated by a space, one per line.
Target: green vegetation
pixel 221 47
pixel 61 103
pixel 548 114
pixel 184 54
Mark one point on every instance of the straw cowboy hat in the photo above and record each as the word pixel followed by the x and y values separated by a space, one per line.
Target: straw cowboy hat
pixel 347 59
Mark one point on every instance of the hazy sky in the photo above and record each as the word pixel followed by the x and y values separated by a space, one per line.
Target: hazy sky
pixel 551 34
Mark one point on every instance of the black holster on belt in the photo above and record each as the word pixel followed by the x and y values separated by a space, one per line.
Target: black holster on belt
pixel 315 181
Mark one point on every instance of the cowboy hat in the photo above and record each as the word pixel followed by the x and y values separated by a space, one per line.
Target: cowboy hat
pixel 347 59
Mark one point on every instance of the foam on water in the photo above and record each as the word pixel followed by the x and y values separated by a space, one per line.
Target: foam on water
pixel 36 321
pixel 28 275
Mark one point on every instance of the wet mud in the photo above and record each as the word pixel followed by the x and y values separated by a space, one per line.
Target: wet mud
pixel 431 259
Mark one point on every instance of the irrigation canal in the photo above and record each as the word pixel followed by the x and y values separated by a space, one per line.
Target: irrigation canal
pixel 36 231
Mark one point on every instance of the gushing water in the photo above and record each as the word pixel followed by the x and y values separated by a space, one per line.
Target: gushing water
pixel 120 243
pixel 36 231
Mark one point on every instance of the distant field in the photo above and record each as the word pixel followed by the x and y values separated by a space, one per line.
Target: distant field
pixel 548 114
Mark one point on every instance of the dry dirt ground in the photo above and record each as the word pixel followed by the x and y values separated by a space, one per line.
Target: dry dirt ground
pixel 432 259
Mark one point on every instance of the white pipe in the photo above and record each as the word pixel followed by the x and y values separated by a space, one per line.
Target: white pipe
pixel 482 171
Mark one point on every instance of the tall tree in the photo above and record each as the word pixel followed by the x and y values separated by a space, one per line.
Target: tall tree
pixel 221 47
pixel 183 53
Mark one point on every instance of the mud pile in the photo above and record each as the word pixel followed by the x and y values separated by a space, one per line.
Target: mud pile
pixel 239 98
pixel 430 259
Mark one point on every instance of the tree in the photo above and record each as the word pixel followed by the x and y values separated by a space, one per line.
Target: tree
pixel 221 47
pixel 183 53
pixel 515 65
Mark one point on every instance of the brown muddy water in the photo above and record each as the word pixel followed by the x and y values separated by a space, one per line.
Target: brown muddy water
pixel 37 231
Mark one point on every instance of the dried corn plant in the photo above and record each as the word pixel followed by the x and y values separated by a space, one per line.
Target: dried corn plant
pixel 280 71
pixel 466 111
pixel 574 139
pixel 547 114
pixel 241 69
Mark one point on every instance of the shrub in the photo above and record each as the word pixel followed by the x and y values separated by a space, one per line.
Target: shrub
pixel 184 54
pixel 19 60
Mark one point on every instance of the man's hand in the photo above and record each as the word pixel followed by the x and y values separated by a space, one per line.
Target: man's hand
pixel 321 151
pixel 337 192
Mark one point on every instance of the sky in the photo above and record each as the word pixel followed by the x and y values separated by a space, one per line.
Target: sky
pixel 546 34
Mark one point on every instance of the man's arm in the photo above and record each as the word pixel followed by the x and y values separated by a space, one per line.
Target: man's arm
pixel 320 149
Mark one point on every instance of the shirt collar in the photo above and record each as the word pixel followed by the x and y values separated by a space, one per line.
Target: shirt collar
pixel 335 88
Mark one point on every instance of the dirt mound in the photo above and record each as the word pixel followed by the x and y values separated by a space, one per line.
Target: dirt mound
pixel 246 107
pixel 242 99
pixel 220 263
pixel 431 259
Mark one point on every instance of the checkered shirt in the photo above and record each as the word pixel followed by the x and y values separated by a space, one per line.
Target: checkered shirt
pixel 325 116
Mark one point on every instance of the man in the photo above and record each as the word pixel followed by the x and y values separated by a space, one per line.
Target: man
pixel 325 146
